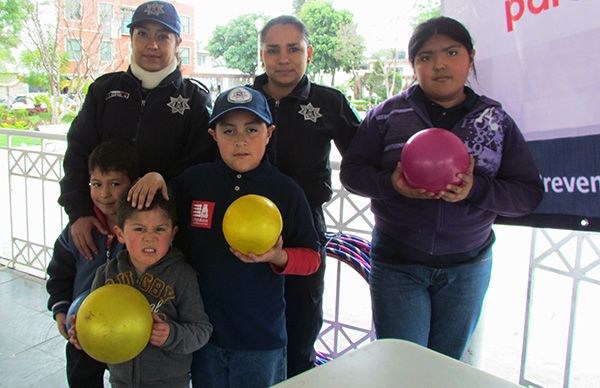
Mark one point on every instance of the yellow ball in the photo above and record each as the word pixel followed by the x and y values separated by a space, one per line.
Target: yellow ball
pixel 252 223
pixel 114 323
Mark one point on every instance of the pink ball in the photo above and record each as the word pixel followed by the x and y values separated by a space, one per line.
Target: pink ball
pixel 432 157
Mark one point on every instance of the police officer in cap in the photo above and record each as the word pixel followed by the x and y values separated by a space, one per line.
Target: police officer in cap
pixel 151 103
pixel 308 117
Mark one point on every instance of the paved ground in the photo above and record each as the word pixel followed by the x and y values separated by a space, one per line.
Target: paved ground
pixel 31 350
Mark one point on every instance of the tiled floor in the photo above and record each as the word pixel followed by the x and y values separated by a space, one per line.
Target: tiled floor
pixel 31 349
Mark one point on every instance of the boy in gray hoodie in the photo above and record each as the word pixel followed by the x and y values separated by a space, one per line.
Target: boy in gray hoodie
pixel 161 273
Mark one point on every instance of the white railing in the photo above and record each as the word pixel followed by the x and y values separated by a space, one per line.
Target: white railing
pixel 555 309
pixel 31 169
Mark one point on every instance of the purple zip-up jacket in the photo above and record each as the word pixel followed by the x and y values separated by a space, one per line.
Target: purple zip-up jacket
pixel 506 181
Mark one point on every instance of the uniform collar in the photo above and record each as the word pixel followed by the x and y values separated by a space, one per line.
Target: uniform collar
pixel 301 91
pixel 260 173
pixel 440 116
pixel 175 78
pixel 469 102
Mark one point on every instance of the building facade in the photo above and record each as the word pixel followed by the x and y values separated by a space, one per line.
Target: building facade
pixel 95 36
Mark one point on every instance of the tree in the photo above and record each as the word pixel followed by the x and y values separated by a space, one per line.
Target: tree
pixel 324 22
pixel 37 73
pixel 237 43
pixel 385 80
pixel 44 54
pixel 351 55
pixel 424 10
pixel 12 15
pixel 297 4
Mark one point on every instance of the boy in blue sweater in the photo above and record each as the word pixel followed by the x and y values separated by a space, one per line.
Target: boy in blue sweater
pixel 113 167
pixel 243 294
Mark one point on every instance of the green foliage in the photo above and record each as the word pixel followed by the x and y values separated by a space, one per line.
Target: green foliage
pixel 383 82
pixel 21 119
pixel 298 4
pixel 16 141
pixel 324 22
pixel 351 52
pixel 237 43
pixel 424 10
pixel 12 15
pixel 37 75
pixel 360 105
pixel 68 118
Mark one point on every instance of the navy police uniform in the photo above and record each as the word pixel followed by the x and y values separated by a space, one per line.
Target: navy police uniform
pixel 168 125
pixel 307 120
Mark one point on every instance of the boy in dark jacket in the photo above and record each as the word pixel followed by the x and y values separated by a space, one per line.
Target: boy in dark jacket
pixel 113 167
pixel 244 293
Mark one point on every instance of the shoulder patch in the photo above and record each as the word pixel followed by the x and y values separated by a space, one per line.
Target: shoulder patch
pixel 116 93
pixel 201 214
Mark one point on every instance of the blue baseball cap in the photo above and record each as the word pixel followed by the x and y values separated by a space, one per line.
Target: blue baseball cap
pixel 241 97
pixel 159 12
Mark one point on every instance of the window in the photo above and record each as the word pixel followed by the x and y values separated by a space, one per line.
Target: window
pixel 201 59
pixel 126 14
pixel 73 49
pixel 184 52
pixel 185 25
pixel 106 51
pixel 105 16
pixel 73 9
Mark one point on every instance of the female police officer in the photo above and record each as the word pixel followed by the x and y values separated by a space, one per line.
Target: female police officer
pixel 151 103
pixel 307 117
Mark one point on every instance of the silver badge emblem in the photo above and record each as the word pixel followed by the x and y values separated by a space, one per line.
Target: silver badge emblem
pixel 154 9
pixel 310 112
pixel 239 96
pixel 178 105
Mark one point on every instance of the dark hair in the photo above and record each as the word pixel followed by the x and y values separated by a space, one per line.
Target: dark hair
pixel 115 155
pixel 126 211
pixel 285 19
pixel 441 25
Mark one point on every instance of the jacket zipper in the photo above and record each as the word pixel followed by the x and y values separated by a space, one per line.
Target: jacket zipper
pixel 139 121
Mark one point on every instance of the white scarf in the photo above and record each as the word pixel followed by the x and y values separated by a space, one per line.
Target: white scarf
pixel 151 79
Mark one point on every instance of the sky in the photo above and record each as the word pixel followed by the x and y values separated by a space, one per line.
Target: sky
pixel 383 23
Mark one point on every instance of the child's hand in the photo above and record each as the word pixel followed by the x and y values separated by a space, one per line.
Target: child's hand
pixel 143 191
pixel 73 332
pixel 401 186
pixel 61 321
pixel 275 255
pixel 81 231
pixel 160 331
pixel 455 193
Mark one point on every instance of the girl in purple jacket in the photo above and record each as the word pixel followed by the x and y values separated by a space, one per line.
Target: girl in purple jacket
pixel 431 252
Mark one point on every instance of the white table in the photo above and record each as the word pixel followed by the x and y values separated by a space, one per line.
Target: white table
pixel 395 363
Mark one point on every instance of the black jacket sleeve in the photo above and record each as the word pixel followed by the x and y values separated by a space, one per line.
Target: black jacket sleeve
pixel 81 139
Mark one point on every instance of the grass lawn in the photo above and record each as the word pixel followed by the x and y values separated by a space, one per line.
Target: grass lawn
pixel 18 140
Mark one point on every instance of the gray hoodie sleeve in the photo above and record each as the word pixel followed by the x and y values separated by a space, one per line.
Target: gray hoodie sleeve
pixel 192 329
